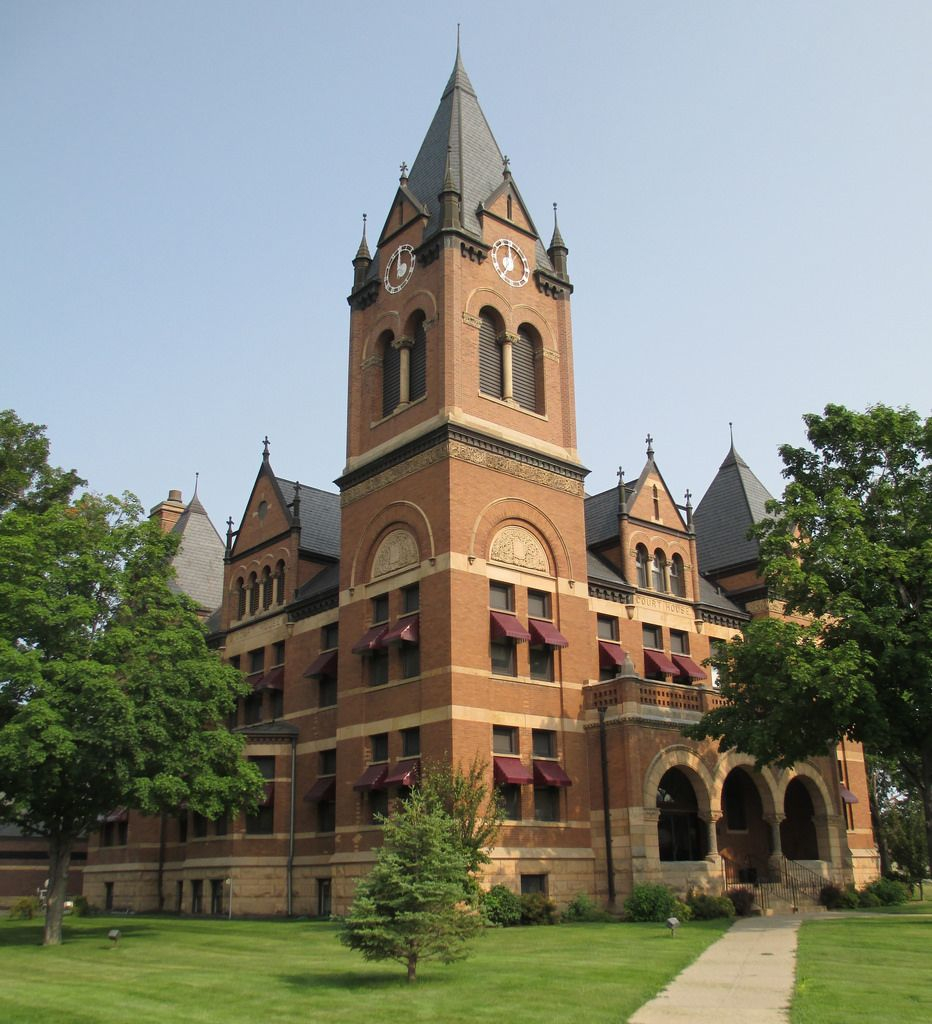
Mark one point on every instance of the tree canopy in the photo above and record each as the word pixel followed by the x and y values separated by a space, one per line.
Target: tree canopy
pixel 848 550
pixel 109 695
pixel 410 906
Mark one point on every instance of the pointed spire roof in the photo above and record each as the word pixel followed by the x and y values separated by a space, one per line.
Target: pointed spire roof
pixel 734 502
pixel 362 253
pixel 198 562
pixel 557 240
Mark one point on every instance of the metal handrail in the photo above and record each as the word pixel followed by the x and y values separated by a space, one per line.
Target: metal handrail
pixel 731 874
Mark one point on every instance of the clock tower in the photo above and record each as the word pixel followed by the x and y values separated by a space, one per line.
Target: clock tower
pixel 463 561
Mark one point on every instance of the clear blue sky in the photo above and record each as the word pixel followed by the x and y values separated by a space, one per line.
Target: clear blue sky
pixel 745 189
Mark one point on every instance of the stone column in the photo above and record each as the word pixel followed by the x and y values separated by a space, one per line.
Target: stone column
pixel 714 818
pixel 404 346
pixel 505 340
pixel 775 860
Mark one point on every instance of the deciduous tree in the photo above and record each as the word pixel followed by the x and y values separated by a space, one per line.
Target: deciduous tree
pixel 848 549
pixel 109 695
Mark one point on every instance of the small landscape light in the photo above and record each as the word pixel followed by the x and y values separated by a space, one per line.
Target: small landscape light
pixel 113 935
pixel 673 923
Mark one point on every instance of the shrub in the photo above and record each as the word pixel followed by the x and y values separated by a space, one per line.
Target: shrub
pixel 501 906
pixel 889 891
pixel 24 909
pixel 584 909
pixel 705 907
pixel 742 900
pixel 868 899
pixel 80 907
pixel 652 902
pixel 537 909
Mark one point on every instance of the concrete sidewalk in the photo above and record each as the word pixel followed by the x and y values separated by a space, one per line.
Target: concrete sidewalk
pixel 746 977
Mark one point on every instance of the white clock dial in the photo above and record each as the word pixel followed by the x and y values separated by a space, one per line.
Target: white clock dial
pixel 400 268
pixel 510 263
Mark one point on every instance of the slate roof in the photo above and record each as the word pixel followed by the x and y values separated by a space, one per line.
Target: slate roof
pixel 601 512
pixel 710 595
pixel 320 517
pixel 327 579
pixel 734 501
pixel 199 561
pixel 459 126
pixel 599 569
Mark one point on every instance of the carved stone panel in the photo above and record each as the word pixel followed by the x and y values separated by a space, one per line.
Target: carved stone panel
pixel 514 545
pixel 397 550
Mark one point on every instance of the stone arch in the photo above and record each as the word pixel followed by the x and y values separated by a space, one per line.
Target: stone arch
pixel 389 321
pixel 765 780
pixel 423 300
pixel 813 781
pixel 516 511
pixel 685 758
pixel 403 515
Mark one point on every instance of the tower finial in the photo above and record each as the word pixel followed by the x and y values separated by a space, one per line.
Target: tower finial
pixel 731 433
pixel 265 448
pixel 649 441
pixel 506 169
pixel 457 39
pixel 197 477
pixel 403 173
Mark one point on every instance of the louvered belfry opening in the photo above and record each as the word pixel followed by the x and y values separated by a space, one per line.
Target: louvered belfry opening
pixel 490 356
pixel 391 374
pixel 524 369
pixel 418 367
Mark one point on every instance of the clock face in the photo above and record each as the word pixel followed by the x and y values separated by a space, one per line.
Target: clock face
pixel 400 268
pixel 510 263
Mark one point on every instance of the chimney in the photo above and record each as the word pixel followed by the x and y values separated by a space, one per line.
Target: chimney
pixel 168 512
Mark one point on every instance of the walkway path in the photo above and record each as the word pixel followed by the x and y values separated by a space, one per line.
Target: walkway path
pixel 746 977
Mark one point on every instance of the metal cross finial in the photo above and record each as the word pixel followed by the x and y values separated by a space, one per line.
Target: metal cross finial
pixel 620 474
pixel 650 446
pixel 403 169
pixel 265 447
pixel 506 170
pixel 689 496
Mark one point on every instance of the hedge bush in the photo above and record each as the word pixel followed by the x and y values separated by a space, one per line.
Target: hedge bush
pixel 706 907
pixel 24 909
pixel 834 897
pixel 537 909
pixel 501 906
pixel 742 900
pixel 889 891
pixel 584 909
pixel 653 902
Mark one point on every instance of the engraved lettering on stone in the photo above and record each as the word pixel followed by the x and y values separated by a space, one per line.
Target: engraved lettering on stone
pixel 396 551
pixel 516 546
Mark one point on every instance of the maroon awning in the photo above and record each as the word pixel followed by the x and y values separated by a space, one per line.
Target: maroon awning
pixel 510 771
pixel 544 632
pixel 372 640
pixel 507 627
pixel 117 814
pixel 611 655
pixel 325 664
pixel 404 773
pixel 406 630
pixel 372 778
pixel 846 795
pixel 657 661
pixel 323 789
pixel 550 773
pixel 687 667
pixel 269 795
pixel 274 680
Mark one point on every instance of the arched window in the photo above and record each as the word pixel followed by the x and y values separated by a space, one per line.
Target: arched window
pixel 253 594
pixel 681 833
pixel 417 368
pixel 490 353
pixel 280 583
pixel 524 367
pixel 391 373
pixel 240 598
pixel 677 576
pixel 266 587
pixel 640 556
pixel 657 565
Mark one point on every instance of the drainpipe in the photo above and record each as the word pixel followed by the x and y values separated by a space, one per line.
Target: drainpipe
pixel 609 862
pixel 290 869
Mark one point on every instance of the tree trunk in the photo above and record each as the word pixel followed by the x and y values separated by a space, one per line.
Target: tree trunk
pixel 873 805
pixel 412 966
pixel 59 862
pixel 926 787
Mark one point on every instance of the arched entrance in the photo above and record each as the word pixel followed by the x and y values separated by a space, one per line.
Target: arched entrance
pixel 744 837
pixel 681 833
pixel 798 835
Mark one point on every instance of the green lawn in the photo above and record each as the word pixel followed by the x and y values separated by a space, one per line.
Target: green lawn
pixel 261 972
pixel 864 969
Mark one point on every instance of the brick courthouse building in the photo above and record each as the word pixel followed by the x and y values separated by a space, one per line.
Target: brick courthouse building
pixel 462 596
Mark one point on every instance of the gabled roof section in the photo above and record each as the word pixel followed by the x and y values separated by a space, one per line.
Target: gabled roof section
pixel 327 579
pixel 734 502
pixel 600 569
pixel 319 514
pixel 198 563
pixel 601 511
pixel 633 491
